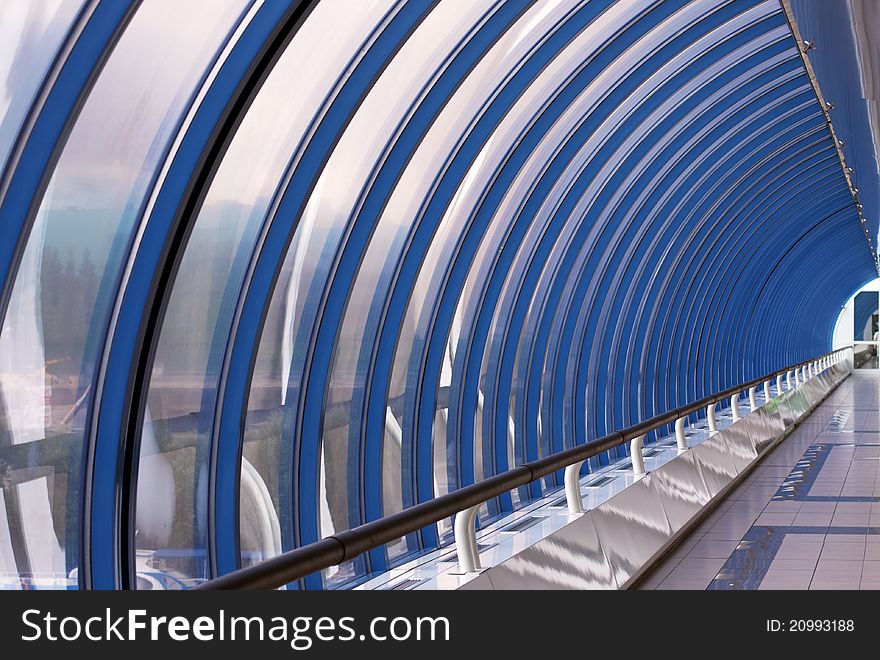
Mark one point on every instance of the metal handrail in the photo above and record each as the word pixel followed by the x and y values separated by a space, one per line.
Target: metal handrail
pixel 334 550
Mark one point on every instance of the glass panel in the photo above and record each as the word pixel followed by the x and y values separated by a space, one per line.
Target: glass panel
pixel 401 214
pixel 416 330
pixel 330 210
pixel 866 316
pixel 610 77
pixel 181 396
pixel 30 34
pixel 69 271
pixel 865 356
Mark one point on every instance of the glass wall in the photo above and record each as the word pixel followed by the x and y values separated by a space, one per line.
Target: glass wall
pixel 866 329
pixel 30 35
pixel 66 282
pixel 183 383
pixel 445 239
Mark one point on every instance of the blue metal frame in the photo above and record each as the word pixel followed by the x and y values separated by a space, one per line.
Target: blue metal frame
pixel 368 451
pixel 627 252
pixel 27 177
pixel 750 123
pixel 262 280
pixel 421 457
pixel 503 354
pixel 114 463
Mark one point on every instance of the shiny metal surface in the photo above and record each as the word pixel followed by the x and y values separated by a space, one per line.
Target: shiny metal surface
pixel 618 540
pixel 766 424
pixel 572 558
pixel 681 489
pixel 632 527
pixel 738 442
pixel 717 466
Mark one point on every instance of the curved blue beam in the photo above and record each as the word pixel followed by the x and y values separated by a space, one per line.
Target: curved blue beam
pixel 514 322
pixel 700 289
pixel 370 460
pixel 556 418
pixel 419 458
pixel 703 244
pixel 422 397
pixel 257 288
pixel 731 151
pixel 742 279
pixel 778 301
pixel 777 123
pixel 713 339
pixel 498 417
pixel 678 315
pixel 65 89
pixel 663 294
pixel 750 123
pixel 347 261
pixel 764 234
pixel 592 375
pixel 111 473
pixel 584 335
pixel 480 308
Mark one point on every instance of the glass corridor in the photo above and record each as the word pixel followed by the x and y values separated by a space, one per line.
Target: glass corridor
pixel 273 269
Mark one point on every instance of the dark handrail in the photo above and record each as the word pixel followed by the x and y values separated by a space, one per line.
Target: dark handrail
pixel 333 550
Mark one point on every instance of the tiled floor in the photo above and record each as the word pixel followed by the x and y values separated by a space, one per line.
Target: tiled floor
pixel 808 517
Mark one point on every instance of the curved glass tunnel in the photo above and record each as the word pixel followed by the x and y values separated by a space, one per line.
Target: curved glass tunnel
pixel 272 269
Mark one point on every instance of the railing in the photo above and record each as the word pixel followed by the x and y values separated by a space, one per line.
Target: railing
pixel 465 502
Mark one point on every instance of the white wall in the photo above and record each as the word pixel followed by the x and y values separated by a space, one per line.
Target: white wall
pixel 843 330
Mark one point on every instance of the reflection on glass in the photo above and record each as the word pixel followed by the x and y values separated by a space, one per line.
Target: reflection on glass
pixel 30 34
pixel 172 521
pixel 334 34
pixel 65 284
pixel 292 312
pixel 866 316
pixel 332 208
pixel 399 218
pixel 419 326
pixel 865 356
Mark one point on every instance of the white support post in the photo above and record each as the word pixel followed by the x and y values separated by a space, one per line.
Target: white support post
pixel 466 540
pixel 734 407
pixel 779 384
pixel 710 416
pixel 680 438
pixel 767 394
pixel 573 487
pixel 797 381
pixel 787 380
pixel 753 402
pixel 638 459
